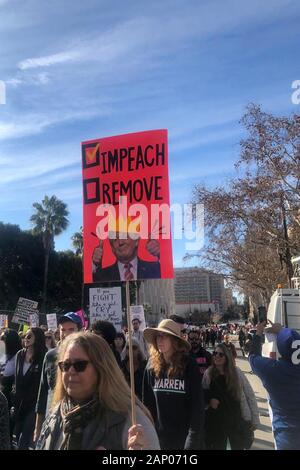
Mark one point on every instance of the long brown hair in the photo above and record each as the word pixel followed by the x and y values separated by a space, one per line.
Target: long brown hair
pixel 231 376
pixel 113 390
pixel 178 361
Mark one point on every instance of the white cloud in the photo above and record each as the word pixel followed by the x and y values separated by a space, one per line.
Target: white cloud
pixel 46 61
pixel 33 164
pixel 31 124
pixel 42 78
pixel 148 36
pixel 206 137
pixel 14 82
pixel 39 79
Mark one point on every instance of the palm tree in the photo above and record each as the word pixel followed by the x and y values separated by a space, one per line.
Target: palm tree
pixel 77 242
pixel 50 219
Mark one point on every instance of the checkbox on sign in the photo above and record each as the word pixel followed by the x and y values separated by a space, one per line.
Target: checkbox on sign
pixel 90 155
pixel 91 190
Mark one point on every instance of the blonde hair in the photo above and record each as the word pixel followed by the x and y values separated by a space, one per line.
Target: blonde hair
pixel 230 372
pixel 113 390
pixel 178 359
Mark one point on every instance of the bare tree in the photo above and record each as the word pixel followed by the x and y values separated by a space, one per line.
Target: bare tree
pixel 253 225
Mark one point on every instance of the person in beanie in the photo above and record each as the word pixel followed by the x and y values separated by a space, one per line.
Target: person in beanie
pixel 68 323
pixel 172 389
pixel 281 379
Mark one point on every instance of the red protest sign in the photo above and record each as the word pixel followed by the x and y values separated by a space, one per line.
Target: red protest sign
pixel 126 208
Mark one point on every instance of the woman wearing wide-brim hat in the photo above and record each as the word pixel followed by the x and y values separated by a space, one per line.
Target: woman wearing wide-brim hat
pixel 172 389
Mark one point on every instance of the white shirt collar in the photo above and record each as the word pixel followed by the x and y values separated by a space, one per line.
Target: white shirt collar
pixel 133 269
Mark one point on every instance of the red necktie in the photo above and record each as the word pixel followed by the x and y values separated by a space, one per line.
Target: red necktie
pixel 128 275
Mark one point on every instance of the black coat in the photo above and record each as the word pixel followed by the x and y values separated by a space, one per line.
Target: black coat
pixel 27 386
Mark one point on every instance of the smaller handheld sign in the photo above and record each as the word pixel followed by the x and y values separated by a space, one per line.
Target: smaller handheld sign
pixel 137 311
pixel 106 304
pixel 3 321
pixel 34 320
pixel 52 321
pixel 24 309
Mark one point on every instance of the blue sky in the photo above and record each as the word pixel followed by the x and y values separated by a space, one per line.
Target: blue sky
pixel 76 71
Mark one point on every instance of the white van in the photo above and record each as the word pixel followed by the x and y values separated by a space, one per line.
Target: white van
pixel 284 308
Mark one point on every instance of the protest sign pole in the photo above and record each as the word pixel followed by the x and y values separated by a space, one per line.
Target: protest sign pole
pixel 131 367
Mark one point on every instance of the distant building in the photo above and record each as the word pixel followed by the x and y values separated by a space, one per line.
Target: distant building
pixel 229 299
pixel 158 298
pixel 199 290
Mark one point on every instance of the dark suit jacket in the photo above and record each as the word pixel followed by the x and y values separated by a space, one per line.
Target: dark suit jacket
pixel 145 270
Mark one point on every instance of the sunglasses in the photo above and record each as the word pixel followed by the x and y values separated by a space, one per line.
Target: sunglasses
pixel 220 354
pixel 79 366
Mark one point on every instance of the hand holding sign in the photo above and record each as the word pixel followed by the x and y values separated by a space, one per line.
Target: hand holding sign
pixel 153 248
pixel 136 438
pixel 98 254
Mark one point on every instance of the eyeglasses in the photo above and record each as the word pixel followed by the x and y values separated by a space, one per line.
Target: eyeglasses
pixel 220 354
pixel 79 366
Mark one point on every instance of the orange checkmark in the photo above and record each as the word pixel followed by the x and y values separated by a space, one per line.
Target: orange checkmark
pixel 91 154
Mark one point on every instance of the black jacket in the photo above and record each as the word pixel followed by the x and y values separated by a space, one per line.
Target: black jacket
pixel 27 386
pixel 138 377
pixel 47 383
pixel 177 407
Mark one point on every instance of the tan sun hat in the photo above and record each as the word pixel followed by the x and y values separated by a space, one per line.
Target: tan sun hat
pixel 167 326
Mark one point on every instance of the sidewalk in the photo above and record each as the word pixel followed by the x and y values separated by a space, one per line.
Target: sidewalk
pixel 263 435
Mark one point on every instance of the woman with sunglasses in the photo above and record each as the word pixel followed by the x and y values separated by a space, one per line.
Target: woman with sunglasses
pixel 91 403
pixel 29 362
pixel 50 340
pixel 232 412
pixel 139 364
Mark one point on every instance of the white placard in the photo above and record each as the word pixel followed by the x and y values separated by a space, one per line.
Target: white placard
pixel 24 309
pixel 52 321
pixel 137 311
pixel 106 304
pixel 34 320
pixel 3 321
